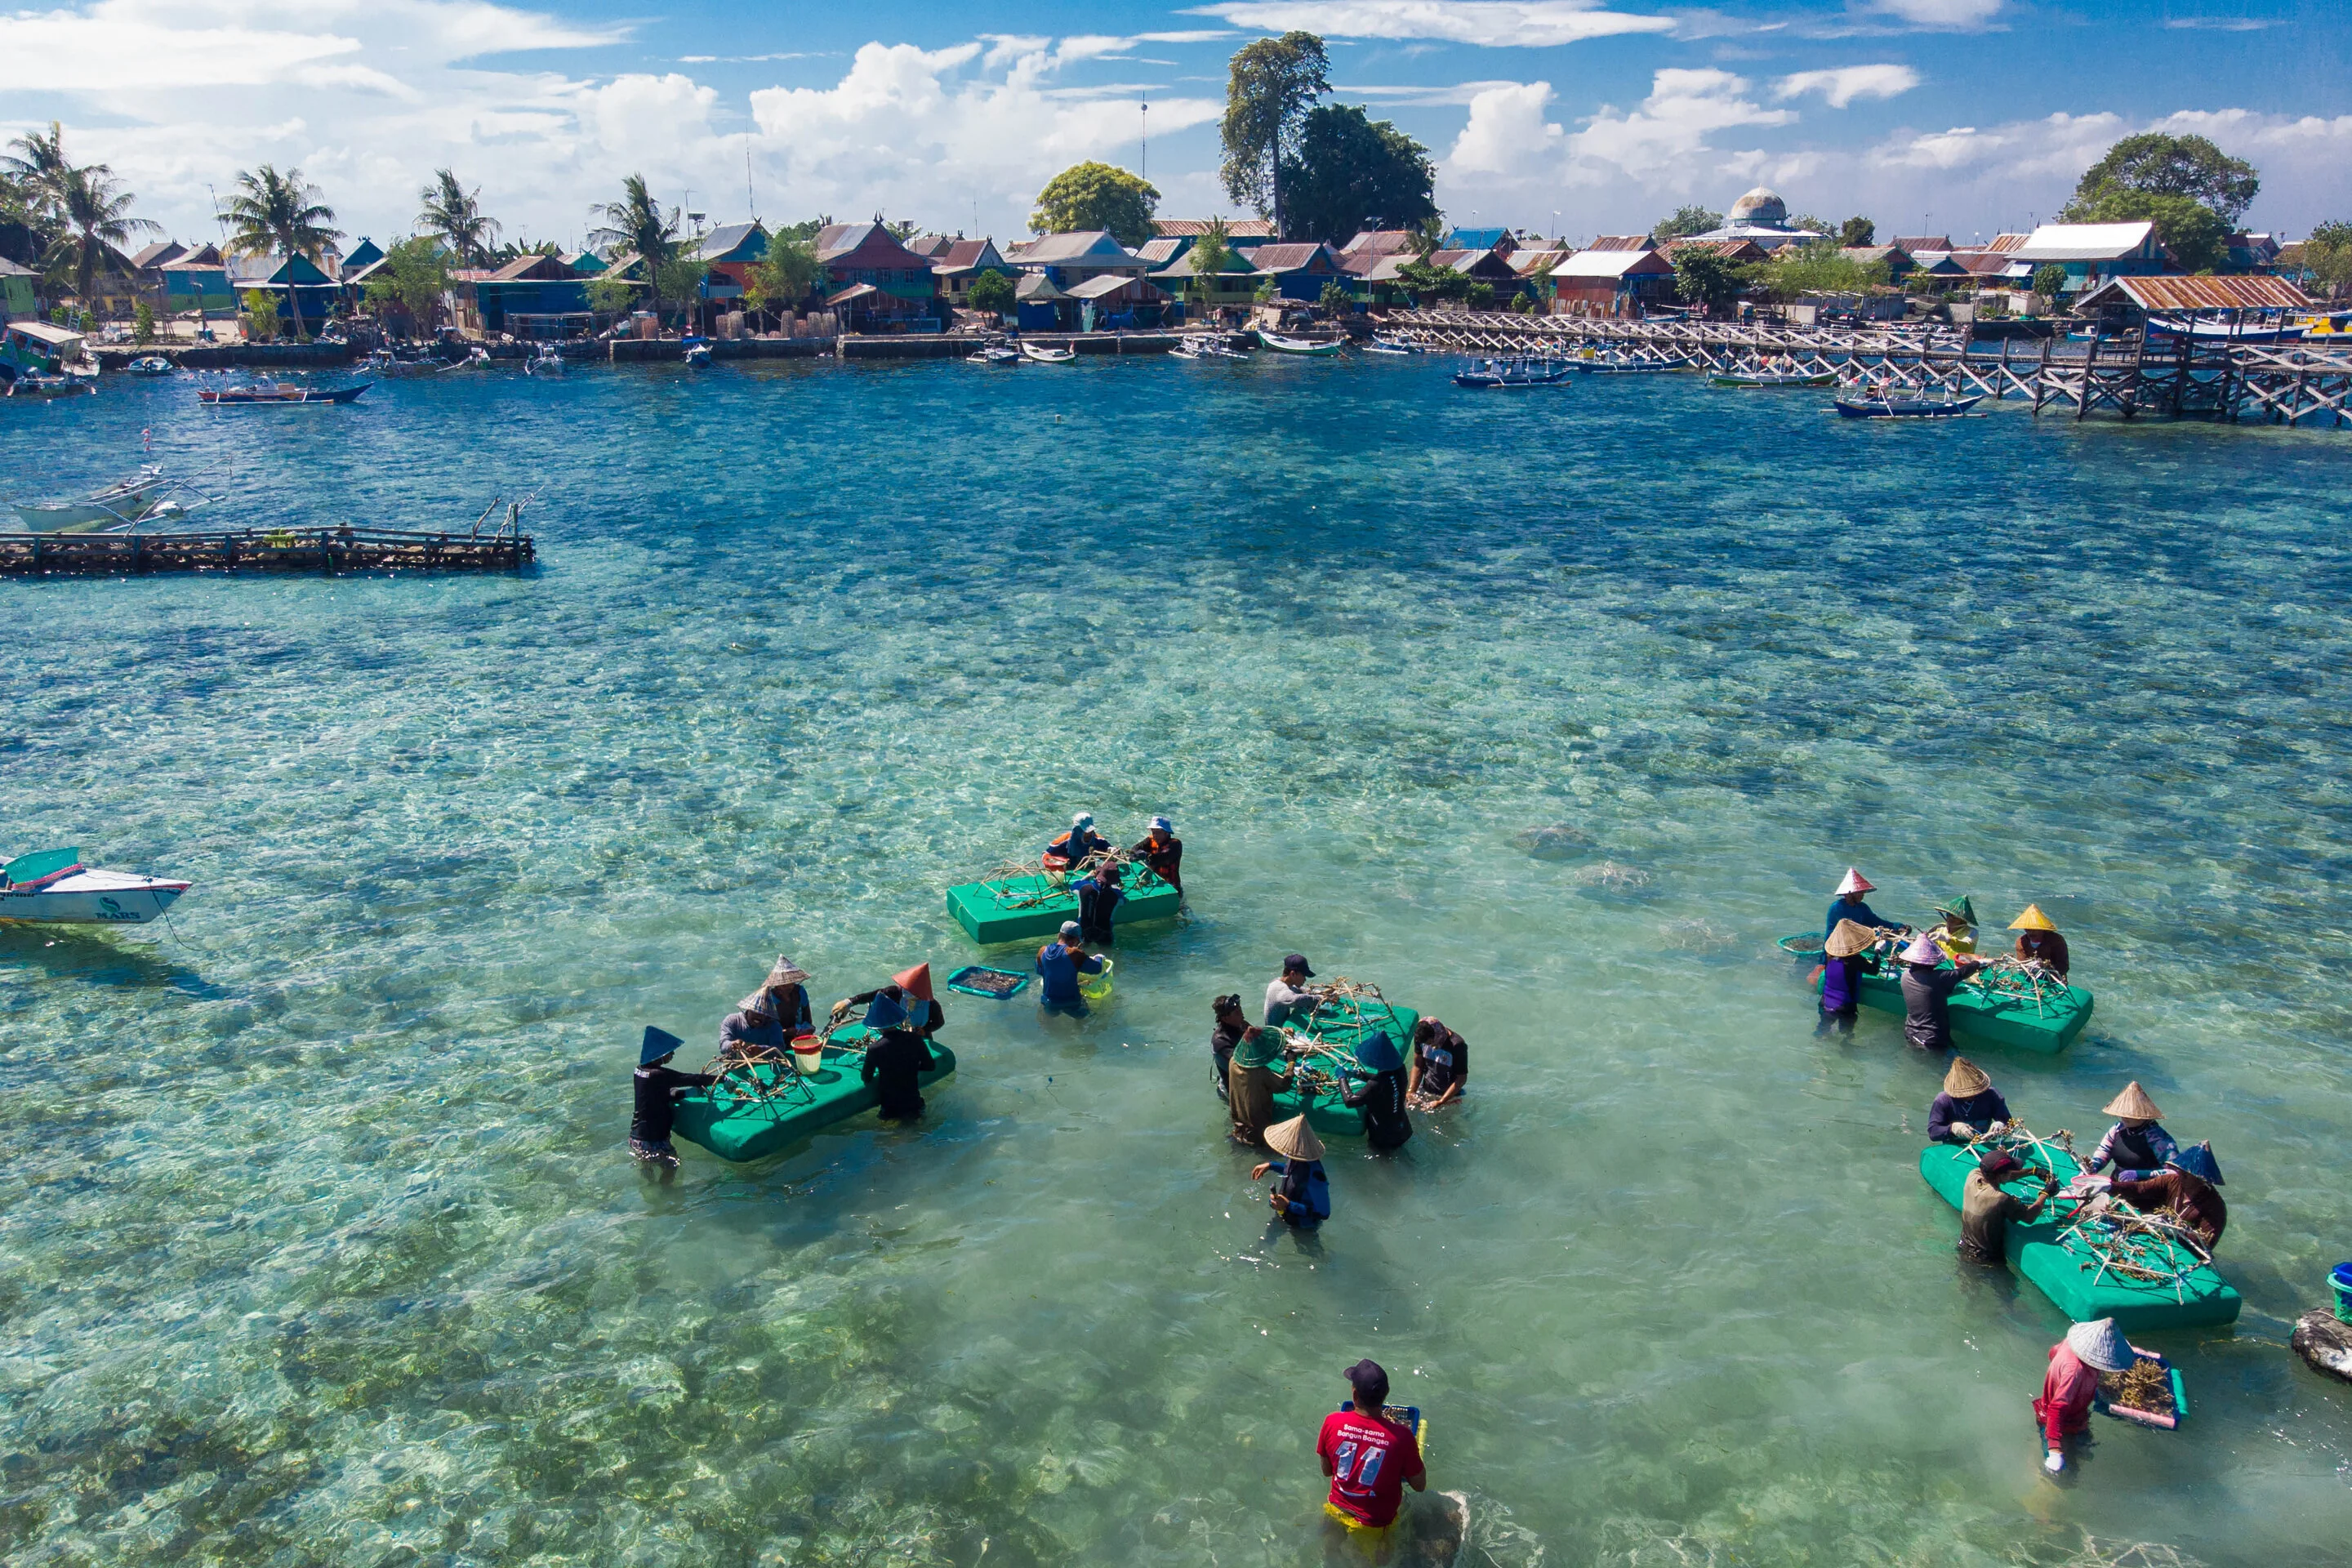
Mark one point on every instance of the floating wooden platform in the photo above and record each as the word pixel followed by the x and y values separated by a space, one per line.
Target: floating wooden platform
pixel 329 549
pixel 1022 908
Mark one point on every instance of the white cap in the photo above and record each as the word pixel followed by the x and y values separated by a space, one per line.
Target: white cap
pixel 1923 949
pixel 1161 824
pixel 1084 819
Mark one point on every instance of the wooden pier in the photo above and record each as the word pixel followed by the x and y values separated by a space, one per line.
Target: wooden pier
pixel 2167 376
pixel 323 549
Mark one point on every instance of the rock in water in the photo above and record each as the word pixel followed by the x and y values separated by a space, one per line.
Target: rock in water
pixel 2325 1344
pixel 1557 842
pixel 1612 875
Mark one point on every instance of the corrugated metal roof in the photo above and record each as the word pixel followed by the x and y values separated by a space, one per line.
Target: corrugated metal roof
pixel 1235 228
pixel 1081 245
pixel 2084 241
pixel 1379 242
pixel 1288 256
pixel 2252 293
pixel 2002 244
pixel 1913 245
pixel 1611 264
pixel 1620 242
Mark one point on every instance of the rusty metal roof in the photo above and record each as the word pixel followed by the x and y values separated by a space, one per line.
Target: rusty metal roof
pixel 2248 293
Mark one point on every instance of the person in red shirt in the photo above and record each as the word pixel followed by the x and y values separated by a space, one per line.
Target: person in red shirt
pixel 2073 1381
pixel 1369 1458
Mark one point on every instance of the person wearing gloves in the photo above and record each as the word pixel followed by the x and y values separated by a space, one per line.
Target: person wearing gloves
pixel 1303 1196
pixel 904 1015
pixel 1381 1097
pixel 1927 992
pixel 1848 905
pixel 1231 1025
pixel 1069 849
pixel 1440 1067
pixel 1846 957
pixel 2183 1191
pixel 1252 1083
pixel 1968 1107
pixel 1059 965
pixel 2038 941
pixel 1098 897
pixel 2137 1144
pixel 1985 1210
pixel 1285 998
pixel 2064 1409
pixel 1162 852
pixel 658 1086
pixel 1956 931
pixel 764 1024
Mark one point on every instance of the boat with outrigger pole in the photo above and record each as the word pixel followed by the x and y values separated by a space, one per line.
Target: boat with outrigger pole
pixel 149 496
pixel 1496 374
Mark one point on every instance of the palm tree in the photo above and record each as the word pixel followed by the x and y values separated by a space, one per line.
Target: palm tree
pixel 454 214
pixel 95 214
pixel 37 164
pixel 275 212
pixel 635 221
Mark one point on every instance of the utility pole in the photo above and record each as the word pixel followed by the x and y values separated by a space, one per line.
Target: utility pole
pixel 750 204
pixel 1147 139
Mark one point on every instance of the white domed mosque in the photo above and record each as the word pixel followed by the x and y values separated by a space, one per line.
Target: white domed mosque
pixel 1762 217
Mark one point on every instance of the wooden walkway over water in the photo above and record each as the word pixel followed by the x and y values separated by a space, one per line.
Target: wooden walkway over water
pixel 323 549
pixel 2288 383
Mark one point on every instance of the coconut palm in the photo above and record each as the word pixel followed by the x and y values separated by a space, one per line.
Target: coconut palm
pixel 454 214
pixel 635 223
pixel 275 212
pixel 37 164
pixel 94 211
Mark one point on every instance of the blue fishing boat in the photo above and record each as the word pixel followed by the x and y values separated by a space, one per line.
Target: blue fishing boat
pixel 1515 373
pixel 1905 407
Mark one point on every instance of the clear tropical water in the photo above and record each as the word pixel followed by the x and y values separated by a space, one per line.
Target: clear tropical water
pixel 319 1242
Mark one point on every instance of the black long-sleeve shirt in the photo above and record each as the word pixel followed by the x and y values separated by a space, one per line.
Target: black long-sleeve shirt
pixel 659 1088
pixel 899 1059
pixel 1386 1125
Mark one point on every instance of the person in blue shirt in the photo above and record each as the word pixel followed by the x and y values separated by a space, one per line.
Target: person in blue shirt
pixel 1848 906
pixel 1071 849
pixel 1059 965
pixel 1303 1196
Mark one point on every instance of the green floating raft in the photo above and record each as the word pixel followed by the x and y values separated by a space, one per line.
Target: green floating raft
pixel 1982 1014
pixel 735 1127
pixel 1015 909
pixel 1325 1111
pixel 2072 1275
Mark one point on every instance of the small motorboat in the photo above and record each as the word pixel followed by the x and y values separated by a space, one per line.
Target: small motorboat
pixel 151 365
pixel 1282 343
pixel 1763 378
pixel 1391 346
pixel 697 353
pixel 477 360
pixel 1514 373
pixel 1048 356
pixel 1627 365
pixel 546 360
pixel 53 886
pixel 34 384
pixel 1186 350
pixel 1905 407
pixel 285 392
pixel 995 354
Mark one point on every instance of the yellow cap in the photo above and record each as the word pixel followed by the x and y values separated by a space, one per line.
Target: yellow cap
pixel 2032 920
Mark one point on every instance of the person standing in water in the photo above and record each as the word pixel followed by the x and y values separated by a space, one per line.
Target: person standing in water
pixel 1848 905
pixel 1303 1196
pixel 1370 1458
pixel 1927 990
pixel 904 1016
pixel 658 1087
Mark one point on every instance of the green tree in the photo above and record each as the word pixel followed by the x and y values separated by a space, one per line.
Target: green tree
pixel 1095 195
pixel 1265 292
pixel 1820 266
pixel 784 278
pixel 680 277
pixel 142 322
pixel 2195 234
pixel 414 275
pixel 1524 303
pixel 271 211
pixel 1707 279
pixel 1335 296
pixel 2156 164
pixel 993 291
pixel 1686 221
pixel 2049 281
pixel 2327 257
pixel 260 315
pixel 35 166
pixel 1857 231
pixel 1480 297
pixel 1429 281
pixel 1270 86
pixel 635 223
pixel 452 213
pixel 94 214
pixel 1350 171
pixel 612 296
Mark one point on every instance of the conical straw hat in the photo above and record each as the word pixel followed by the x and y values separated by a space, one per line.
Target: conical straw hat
pixel 2133 1105
pixel 1855 882
pixel 1294 1139
pixel 1850 938
pixel 1923 949
pixel 1963 1077
pixel 915 982
pixel 785 972
pixel 2032 920
pixel 2101 1344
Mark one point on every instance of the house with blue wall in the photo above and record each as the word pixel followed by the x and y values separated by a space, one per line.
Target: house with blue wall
pixel 2091 253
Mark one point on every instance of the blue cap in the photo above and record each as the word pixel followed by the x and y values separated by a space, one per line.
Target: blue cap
pixel 1161 824
pixel 1377 1053
pixel 658 1043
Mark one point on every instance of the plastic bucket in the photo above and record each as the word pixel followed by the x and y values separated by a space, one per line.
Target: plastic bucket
pixel 808 1055
pixel 1094 987
pixel 2340 1279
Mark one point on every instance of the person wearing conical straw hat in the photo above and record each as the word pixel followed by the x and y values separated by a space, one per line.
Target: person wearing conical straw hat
pixel 2038 941
pixel 1847 905
pixel 1969 1107
pixel 1927 990
pixel 2184 1192
pixel 2137 1143
pixel 904 1015
pixel 2064 1409
pixel 765 1023
pixel 1303 1196
pixel 1956 931
pixel 658 1086
pixel 1845 958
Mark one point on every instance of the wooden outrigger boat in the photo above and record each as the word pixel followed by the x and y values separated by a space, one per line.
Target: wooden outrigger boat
pixel 1905 407
pixel 1282 343
pixel 54 887
pixel 145 497
pixel 1753 380
pixel 283 391
pixel 1514 373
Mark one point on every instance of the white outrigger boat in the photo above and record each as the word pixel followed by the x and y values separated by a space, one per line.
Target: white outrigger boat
pixel 1048 356
pixel 1282 344
pixel 54 887
pixel 146 496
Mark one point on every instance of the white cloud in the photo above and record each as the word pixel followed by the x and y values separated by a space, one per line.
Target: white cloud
pixel 1951 14
pixel 1667 135
pixel 1507 131
pixel 1497 24
pixel 1843 84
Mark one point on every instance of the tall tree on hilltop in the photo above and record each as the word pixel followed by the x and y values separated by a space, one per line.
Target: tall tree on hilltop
pixel 2167 165
pixel 1271 85
pixel 636 222
pixel 95 211
pixel 271 211
pixel 1350 170
pixel 1688 219
pixel 452 213
pixel 1095 195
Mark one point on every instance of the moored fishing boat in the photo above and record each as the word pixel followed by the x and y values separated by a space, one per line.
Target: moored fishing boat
pixel 1764 378
pixel 145 496
pixel 1628 365
pixel 1043 355
pixel 1514 373
pixel 1284 343
pixel 282 393
pixel 1905 407
pixel 1015 903
pixel 53 886
pixel 698 353
pixel 151 365
pixel 759 1108
pixel 33 383
pixel 996 354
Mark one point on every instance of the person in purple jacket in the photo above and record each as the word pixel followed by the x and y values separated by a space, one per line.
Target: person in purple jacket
pixel 1845 958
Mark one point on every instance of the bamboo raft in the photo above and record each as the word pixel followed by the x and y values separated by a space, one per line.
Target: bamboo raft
pixel 323 549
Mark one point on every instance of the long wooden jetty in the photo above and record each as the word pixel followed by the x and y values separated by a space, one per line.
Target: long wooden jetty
pixel 327 550
pixel 2168 377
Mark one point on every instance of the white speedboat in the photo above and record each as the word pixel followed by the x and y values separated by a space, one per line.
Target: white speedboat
pixel 995 354
pixel 1047 356
pixel 54 887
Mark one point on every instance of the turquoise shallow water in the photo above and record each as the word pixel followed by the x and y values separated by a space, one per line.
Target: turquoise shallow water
pixel 317 1239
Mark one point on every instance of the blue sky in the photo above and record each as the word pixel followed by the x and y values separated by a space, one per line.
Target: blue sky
pixel 1965 116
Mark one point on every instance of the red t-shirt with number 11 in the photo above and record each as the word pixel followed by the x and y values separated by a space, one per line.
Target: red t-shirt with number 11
pixel 1371 1458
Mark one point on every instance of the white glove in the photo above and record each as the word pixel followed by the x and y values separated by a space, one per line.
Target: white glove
pixel 2054 1462
pixel 1997 1128
pixel 1963 1129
